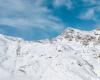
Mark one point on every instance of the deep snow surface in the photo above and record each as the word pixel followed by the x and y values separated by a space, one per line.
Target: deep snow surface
pixel 73 55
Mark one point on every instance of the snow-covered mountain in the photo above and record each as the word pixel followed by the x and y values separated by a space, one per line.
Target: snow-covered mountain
pixel 73 55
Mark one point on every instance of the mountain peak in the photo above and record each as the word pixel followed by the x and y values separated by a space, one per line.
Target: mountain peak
pixel 84 37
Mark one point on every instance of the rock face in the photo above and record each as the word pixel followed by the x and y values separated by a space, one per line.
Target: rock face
pixel 73 55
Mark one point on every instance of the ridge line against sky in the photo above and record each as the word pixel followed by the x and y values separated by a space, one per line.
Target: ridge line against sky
pixel 39 19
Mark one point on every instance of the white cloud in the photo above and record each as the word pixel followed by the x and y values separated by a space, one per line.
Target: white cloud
pixel 92 11
pixel 38 21
pixel 67 3
pixel 89 2
pixel 28 14
pixel 88 15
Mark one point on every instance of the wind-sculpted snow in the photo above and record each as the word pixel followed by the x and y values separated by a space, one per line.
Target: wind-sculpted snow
pixel 73 55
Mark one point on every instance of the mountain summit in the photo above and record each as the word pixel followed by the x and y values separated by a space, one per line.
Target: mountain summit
pixel 73 55
pixel 84 37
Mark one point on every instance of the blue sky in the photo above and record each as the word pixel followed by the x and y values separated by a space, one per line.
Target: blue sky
pixel 41 19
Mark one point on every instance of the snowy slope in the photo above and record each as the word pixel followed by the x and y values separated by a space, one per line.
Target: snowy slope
pixel 73 55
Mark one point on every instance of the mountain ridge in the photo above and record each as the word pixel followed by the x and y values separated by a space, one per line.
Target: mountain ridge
pixel 69 30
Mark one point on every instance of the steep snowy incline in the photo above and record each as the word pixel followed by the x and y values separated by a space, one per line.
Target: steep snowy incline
pixel 73 55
